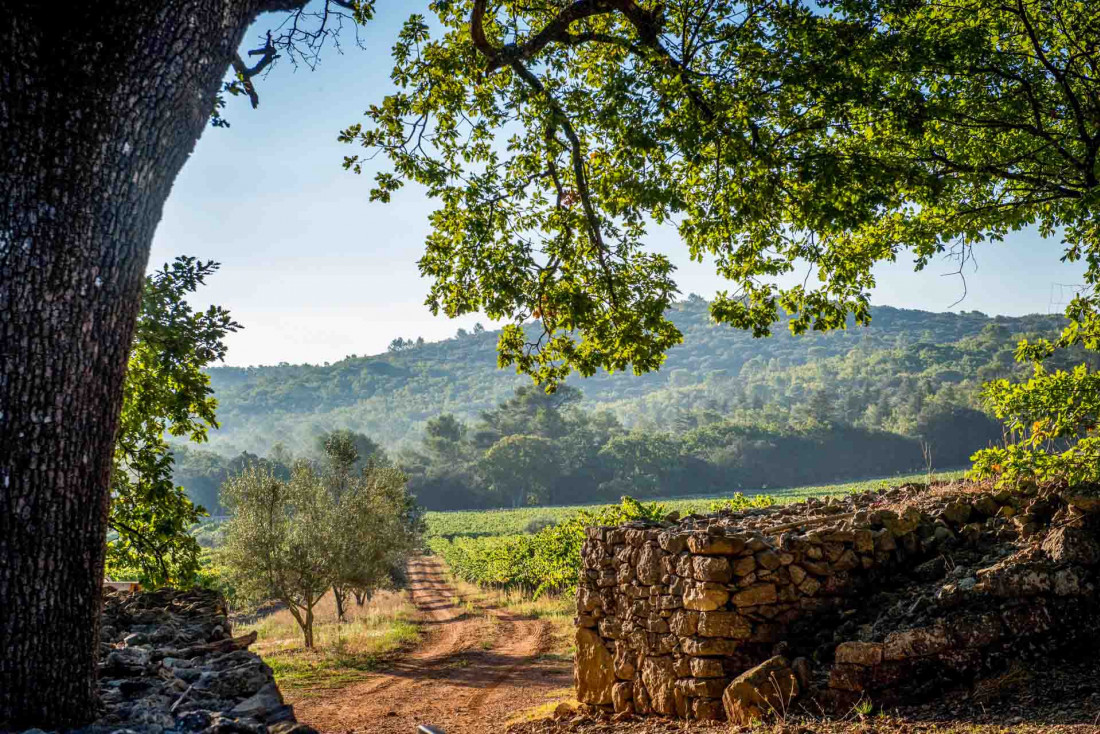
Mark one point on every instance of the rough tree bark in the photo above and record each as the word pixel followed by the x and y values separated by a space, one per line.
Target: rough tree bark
pixel 100 105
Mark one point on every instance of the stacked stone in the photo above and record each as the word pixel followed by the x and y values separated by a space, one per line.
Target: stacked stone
pixel 1046 590
pixel 169 663
pixel 668 614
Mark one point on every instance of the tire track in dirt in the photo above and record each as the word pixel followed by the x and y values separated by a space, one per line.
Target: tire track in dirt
pixel 448 680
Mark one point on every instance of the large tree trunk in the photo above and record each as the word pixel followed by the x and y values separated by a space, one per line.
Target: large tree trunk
pixel 100 105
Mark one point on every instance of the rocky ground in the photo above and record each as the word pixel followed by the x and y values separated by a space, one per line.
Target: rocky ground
pixel 169 663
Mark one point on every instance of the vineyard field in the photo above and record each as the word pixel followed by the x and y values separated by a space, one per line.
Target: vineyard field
pixel 528 520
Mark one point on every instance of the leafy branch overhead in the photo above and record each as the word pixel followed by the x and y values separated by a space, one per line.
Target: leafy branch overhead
pixel 792 148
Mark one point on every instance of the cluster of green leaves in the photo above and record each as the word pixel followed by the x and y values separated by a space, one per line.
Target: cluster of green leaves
pixel 548 561
pixel 1051 423
pixel 166 392
pixel 544 449
pixel 739 502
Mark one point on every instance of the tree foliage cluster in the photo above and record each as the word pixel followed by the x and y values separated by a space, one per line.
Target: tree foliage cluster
pixel 538 448
pixel 167 393
pixel 338 525
pixel 777 137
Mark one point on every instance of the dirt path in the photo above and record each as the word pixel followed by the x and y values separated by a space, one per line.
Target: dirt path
pixel 449 681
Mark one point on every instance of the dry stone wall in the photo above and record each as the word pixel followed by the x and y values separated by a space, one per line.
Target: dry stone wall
pixel 893 593
pixel 169 663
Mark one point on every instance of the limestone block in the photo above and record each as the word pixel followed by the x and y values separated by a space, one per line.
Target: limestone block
pixel 593 669
pixel 660 683
pixel 715 545
pixel 704 599
pixel 724 624
pixel 859 653
pixel 765 690
pixel 684 623
pixel 757 594
pixel 709 646
pixel 711 568
pixel 706 668
pixel 917 642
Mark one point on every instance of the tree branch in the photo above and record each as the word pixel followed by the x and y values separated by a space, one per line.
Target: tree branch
pixel 245 73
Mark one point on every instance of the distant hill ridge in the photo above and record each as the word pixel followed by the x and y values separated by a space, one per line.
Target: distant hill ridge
pixel 390 396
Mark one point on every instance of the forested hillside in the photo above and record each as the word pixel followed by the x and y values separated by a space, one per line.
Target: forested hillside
pixel 892 375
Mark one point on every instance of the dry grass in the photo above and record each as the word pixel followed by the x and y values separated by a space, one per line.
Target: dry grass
pixel 344 652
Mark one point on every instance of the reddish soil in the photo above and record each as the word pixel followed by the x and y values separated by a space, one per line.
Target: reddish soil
pixel 449 680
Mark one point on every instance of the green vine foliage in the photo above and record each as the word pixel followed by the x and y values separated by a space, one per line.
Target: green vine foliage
pixel 166 392
pixel 797 139
pixel 548 561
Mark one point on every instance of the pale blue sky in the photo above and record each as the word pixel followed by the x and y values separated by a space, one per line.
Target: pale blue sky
pixel 315 272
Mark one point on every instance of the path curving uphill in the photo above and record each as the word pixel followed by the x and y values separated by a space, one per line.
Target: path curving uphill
pixel 448 680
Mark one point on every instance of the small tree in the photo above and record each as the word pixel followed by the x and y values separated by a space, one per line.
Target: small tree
pixel 378 526
pixel 280 541
pixel 520 468
pixel 374 522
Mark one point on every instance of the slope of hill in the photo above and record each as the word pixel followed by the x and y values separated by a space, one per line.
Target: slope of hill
pixel 878 377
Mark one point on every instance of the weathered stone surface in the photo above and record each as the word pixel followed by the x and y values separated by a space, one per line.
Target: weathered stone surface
pixel 708 599
pixel 766 690
pixel 170 663
pixel 649 569
pixel 724 624
pixel 708 709
pixel 706 668
pixel 756 595
pixel 712 568
pixel 956 513
pixel 622 696
pixel 672 542
pixel 860 653
pixel 918 642
pixel 768 560
pixel 594 671
pixel 744 566
pixel 660 682
pixel 1072 545
pixel 715 545
pixel 625 661
pixel 707 646
pixel 702 599
pixel 684 623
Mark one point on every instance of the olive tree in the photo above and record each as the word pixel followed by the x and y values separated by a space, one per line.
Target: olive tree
pixel 327 527
pixel 280 543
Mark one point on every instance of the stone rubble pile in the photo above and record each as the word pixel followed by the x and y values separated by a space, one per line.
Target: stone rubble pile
pixel 168 663
pixel 892 595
